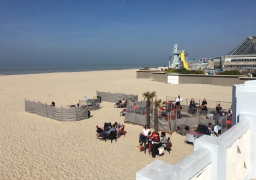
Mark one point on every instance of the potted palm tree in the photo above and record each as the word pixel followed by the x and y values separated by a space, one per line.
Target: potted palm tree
pixel 157 104
pixel 148 96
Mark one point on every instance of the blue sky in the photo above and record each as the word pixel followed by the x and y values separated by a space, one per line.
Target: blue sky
pixel 123 31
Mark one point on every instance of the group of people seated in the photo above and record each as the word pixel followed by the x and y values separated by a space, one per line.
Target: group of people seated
pixel 121 103
pixel 154 141
pixel 163 112
pixel 108 128
pixel 192 104
pixel 74 105
pixel 219 111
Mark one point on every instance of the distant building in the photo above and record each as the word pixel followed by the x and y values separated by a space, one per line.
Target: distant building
pixel 242 57
pixel 215 63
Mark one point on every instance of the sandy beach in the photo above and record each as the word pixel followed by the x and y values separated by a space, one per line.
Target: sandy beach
pixel 35 147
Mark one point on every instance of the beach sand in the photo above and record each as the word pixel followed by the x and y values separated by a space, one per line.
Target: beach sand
pixel 34 147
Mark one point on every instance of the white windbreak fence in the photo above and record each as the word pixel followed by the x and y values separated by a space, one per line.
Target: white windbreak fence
pixel 57 113
pixel 113 97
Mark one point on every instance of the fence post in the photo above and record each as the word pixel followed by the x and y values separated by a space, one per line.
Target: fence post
pixel 61 113
pixel 169 122
pixel 46 109
pixel 75 113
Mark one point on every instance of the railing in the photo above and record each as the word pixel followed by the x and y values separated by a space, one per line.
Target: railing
pixel 229 156
pixel 210 103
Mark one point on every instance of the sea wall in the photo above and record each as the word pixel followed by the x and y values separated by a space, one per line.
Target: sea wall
pixel 218 80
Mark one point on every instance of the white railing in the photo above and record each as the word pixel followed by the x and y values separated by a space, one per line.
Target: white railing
pixel 229 156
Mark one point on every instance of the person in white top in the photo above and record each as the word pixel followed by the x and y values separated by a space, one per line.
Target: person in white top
pixel 144 134
pixel 178 99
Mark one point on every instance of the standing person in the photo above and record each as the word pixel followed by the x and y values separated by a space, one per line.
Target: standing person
pixel 178 99
pixel 144 135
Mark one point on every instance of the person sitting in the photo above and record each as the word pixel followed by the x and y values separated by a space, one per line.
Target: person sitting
pixel 123 103
pixel 113 128
pixel 78 105
pixel 102 132
pixel 119 128
pixel 192 106
pixel 99 131
pixel 192 103
pixel 53 104
pixel 122 113
pixel 164 141
pixel 209 130
pixel 221 117
pixel 217 129
pixel 204 105
pixel 218 109
pixel 144 135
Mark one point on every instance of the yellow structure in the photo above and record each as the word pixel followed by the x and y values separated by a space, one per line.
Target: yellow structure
pixel 178 59
pixel 184 61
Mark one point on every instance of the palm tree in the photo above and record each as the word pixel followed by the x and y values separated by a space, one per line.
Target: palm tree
pixel 157 104
pixel 148 96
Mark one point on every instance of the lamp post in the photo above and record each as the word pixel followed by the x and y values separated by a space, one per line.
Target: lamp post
pixel 170 57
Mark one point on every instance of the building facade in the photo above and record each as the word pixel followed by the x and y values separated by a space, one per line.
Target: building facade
pixel 243 57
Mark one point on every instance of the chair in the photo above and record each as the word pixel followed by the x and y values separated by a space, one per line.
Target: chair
pixel 117 104
pixel 112 135
pixel 121 131
pixel 98 131
pixel 107 125
pixel 202 129
pixel 192 111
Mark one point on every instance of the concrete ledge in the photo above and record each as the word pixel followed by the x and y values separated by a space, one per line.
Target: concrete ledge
pixel 155 171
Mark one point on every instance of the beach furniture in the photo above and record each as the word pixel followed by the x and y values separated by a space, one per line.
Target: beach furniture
pixel 121 131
